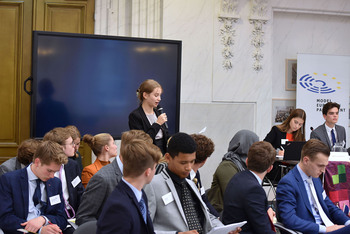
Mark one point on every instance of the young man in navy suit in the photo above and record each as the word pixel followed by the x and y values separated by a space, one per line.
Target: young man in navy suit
pixel 244 198
pixel 126 209
pixel 69 174
pixel 31 198
pixel 302 203
pixel 103 183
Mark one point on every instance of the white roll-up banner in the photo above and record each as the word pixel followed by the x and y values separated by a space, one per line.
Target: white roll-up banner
pixel 322 79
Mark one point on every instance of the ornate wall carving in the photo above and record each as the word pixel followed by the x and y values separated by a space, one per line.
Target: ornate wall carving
pixel 129 18
pixel 228 17
pixel 258 18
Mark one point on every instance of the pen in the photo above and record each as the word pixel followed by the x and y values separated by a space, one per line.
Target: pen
pixel 282 148
pixel 52 223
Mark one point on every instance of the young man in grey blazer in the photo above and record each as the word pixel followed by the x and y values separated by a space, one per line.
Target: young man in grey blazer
pixel 174 202
pixel 329 132
pixel 25 153
pixel 102 184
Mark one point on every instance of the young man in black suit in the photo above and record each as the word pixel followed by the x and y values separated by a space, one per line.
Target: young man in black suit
pixel 244 198
pixel 126 209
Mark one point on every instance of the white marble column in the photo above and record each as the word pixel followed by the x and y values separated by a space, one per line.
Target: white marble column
pixel 135 18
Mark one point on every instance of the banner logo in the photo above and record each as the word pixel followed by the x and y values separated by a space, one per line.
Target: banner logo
pixel 323 85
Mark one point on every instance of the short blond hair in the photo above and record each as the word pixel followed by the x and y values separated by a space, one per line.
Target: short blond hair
pixel 139 155
pixel 74 132
pixel 134 134
pixel 50 151
pixel 58 135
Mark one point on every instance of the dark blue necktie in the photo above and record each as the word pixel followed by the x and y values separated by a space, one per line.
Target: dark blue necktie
pixel 143 209
pixel 37 193
pixel 333 137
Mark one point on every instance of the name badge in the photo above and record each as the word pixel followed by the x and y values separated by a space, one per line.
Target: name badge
pixel 167 198
pixel 202 191
pixel 324 195
pixel 283 141
pixel 55 200
pixel 76 181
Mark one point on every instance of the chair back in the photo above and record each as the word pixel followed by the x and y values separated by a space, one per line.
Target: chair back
pixel 87 228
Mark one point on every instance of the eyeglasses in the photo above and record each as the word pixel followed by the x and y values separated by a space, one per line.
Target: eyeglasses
pixel 72 143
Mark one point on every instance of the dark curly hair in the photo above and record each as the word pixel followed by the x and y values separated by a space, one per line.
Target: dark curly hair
pixel 205 147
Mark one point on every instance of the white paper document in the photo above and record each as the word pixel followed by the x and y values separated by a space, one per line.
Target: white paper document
pixel 22 230
pixel 227 228
pixel 203 130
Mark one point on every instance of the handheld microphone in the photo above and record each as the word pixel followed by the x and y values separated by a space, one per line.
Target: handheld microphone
pixel 160 109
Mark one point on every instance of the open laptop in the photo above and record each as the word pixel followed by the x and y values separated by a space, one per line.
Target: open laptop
pixel 292 150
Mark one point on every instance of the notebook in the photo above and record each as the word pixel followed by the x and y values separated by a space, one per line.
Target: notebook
pixel 292 150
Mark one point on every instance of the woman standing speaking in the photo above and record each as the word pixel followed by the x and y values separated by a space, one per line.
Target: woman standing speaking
pixel 149 116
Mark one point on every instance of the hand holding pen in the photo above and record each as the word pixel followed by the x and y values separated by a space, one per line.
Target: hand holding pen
pixel 281 151
pixel 51 228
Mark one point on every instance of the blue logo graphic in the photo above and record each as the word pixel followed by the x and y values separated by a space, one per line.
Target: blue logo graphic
pixel 317 85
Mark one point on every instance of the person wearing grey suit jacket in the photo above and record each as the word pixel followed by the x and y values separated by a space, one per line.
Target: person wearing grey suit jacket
pixel 166 196
pixel 323 133
pixel 10 165
pixel 170 217
pixel 100 186
pixel 24 157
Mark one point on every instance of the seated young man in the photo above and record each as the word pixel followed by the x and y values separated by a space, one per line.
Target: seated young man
pixel 301 201
pixel 244 198
pixel 24 156
pixel 330 132
pixel 102 184
pixel 31 198
pixel 175 203
pixel 69 174
pixel 126 210
pixel 205 147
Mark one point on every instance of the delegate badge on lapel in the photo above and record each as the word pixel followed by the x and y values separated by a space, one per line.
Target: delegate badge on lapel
pixel 76 181
pixel 167 198
pixel 55 200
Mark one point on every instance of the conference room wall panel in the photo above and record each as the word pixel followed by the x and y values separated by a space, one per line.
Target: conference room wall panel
pixel 221 120
pixel 15 47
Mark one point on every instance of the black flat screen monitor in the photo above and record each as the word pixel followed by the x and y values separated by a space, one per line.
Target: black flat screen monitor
pixel 90 81
pixel 292 150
